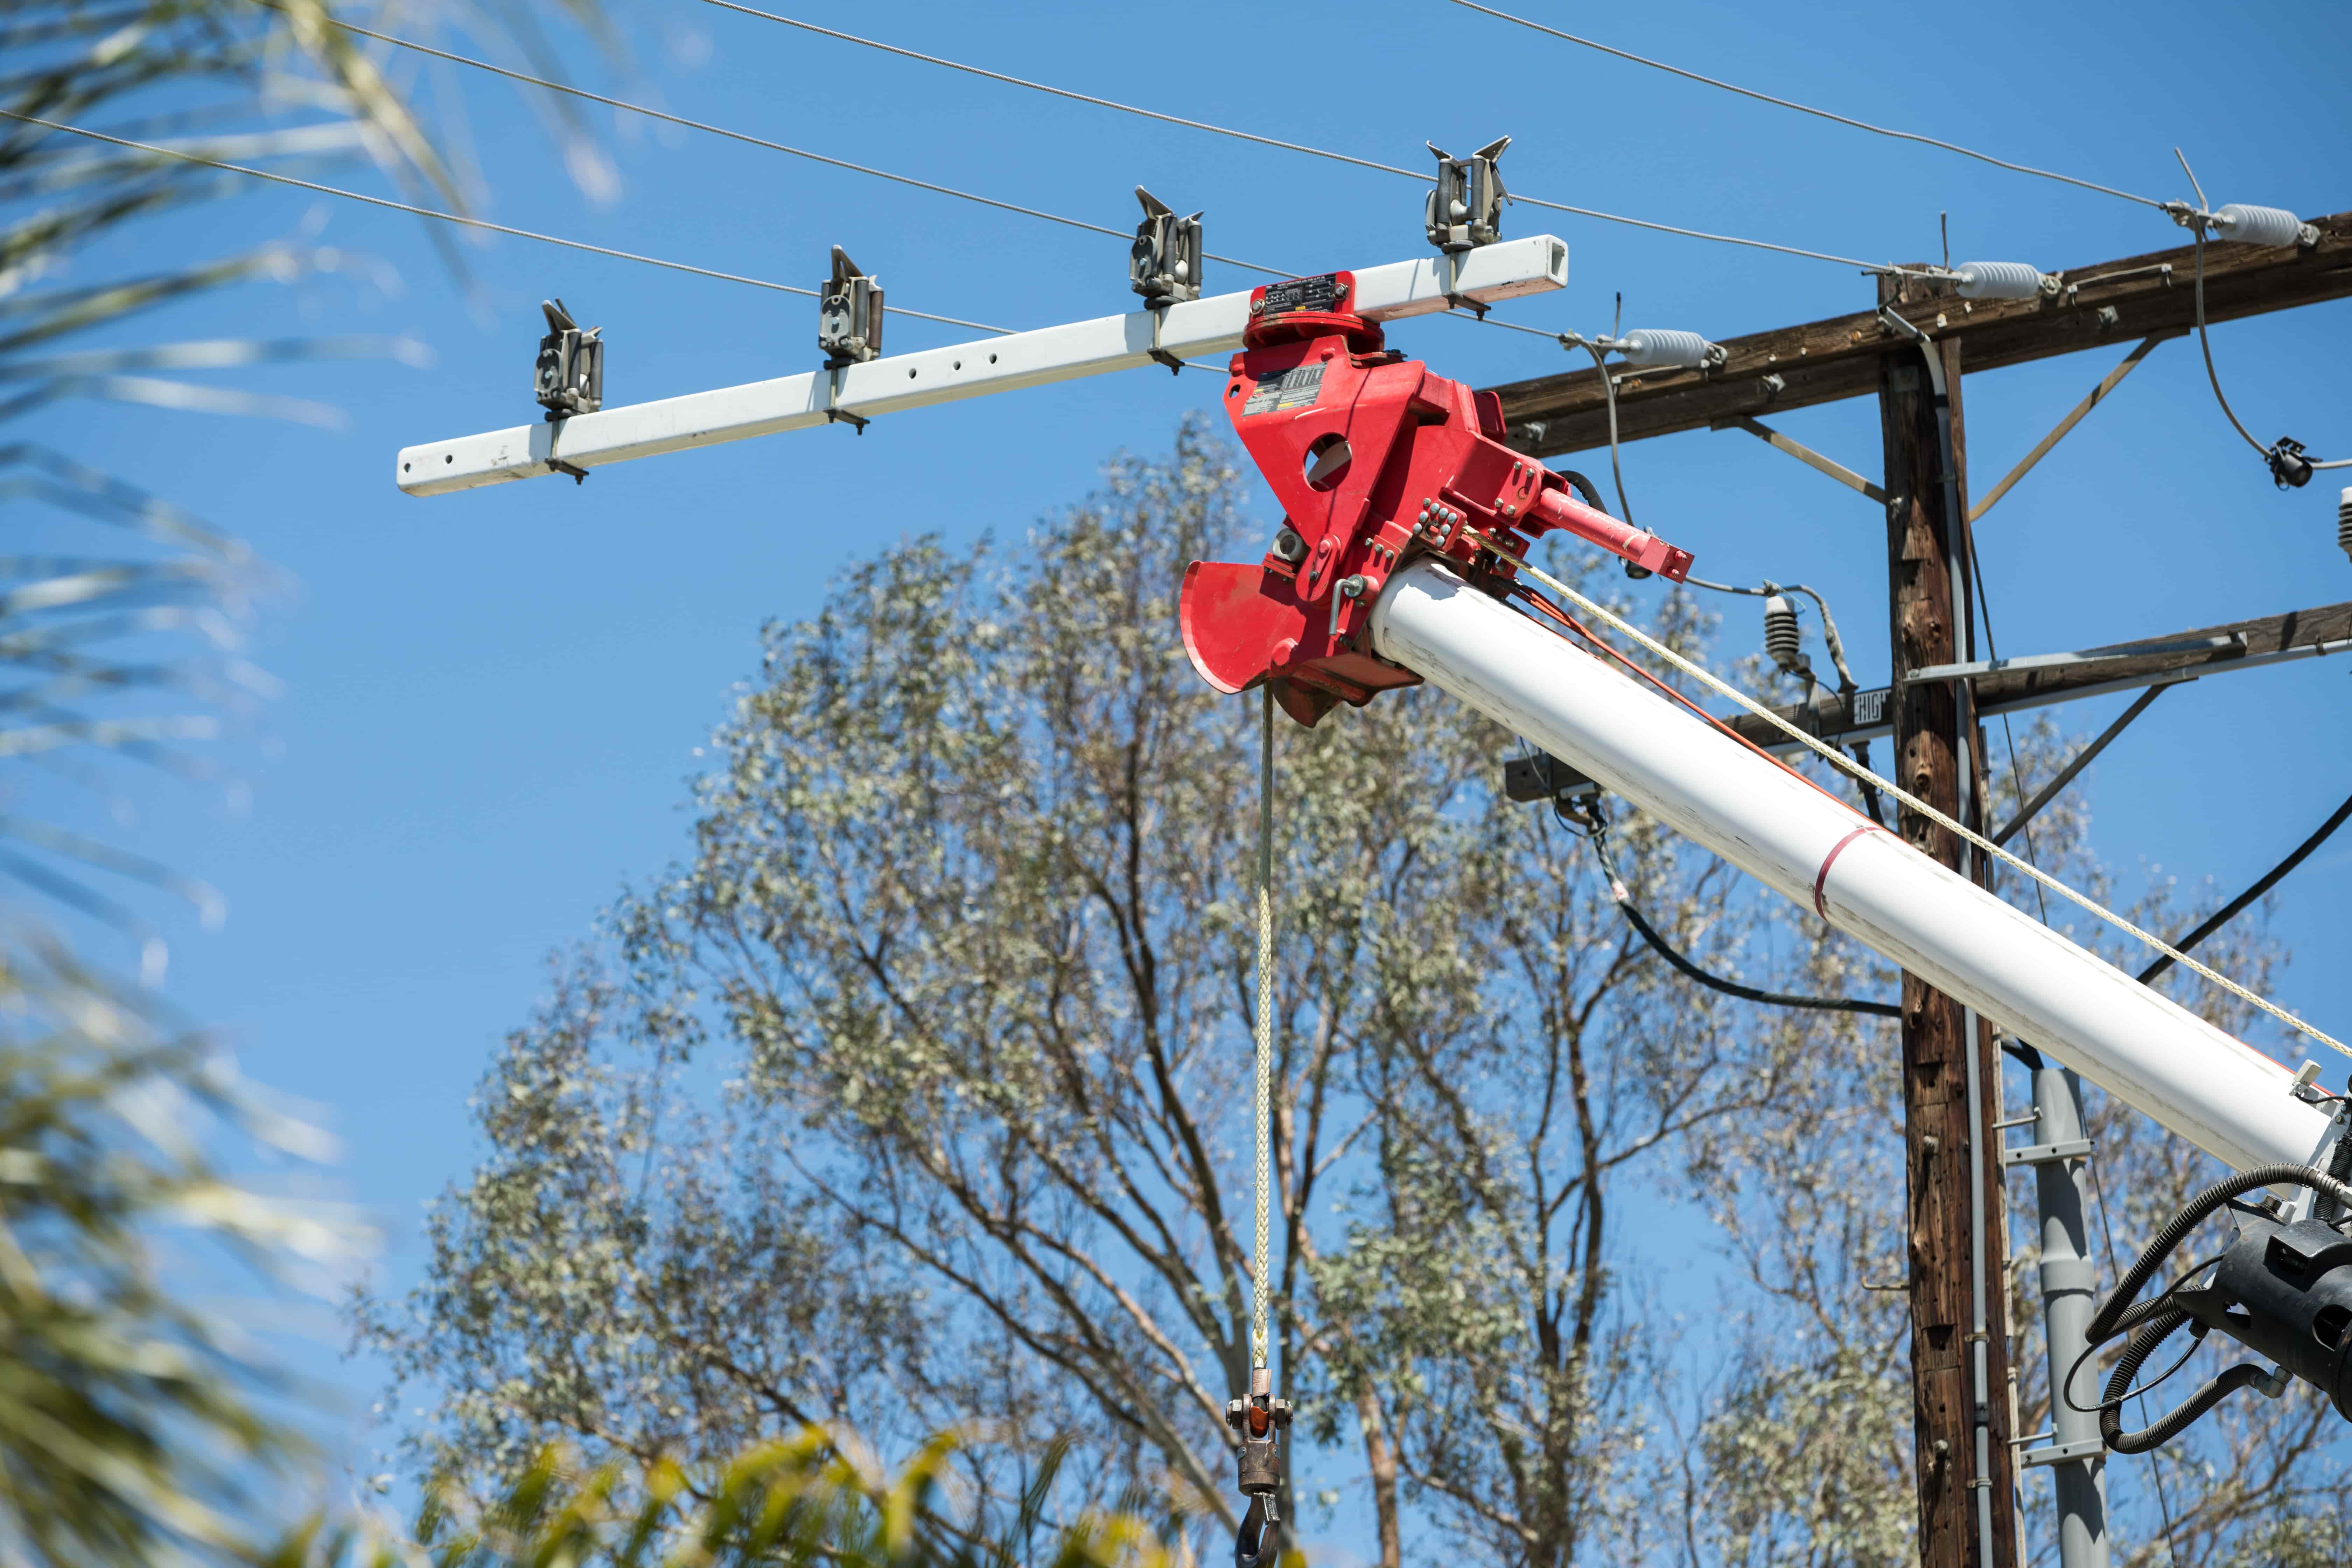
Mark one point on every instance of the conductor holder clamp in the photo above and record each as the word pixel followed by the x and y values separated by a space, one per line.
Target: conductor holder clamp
pixel 568 376
pixel 1164 266
pixel 848 326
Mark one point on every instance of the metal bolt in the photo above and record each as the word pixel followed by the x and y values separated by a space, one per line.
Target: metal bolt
pixel 1350 587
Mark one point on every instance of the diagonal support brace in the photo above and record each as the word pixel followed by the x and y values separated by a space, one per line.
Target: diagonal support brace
pixel 2114 379
pixel 1804 454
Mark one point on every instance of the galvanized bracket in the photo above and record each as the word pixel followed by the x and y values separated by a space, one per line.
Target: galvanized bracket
pixel 2046 1153
pixel 2060 1453
pixel 1802 453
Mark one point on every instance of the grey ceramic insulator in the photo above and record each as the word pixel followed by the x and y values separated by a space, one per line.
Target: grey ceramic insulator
pixel 1649 348
pixel 2257 225
pixel 1783 639
pixel 1997 280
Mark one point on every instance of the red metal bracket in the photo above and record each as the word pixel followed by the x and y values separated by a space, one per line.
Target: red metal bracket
pixel 1375 461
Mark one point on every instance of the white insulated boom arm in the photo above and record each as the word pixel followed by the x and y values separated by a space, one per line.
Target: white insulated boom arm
pixel 1503 270
pixel 2153 1053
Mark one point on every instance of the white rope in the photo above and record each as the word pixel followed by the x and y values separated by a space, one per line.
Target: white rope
pixel 1261 1263
pixel 1850 766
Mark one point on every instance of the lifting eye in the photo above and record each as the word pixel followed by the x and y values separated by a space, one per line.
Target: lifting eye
pixel 1327 461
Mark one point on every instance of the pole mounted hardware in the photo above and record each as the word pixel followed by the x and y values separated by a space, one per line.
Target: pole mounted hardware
pixel 568 377
pixel 1258 1424
pixel 1375 461
pixel 1164 267
pixel 849 315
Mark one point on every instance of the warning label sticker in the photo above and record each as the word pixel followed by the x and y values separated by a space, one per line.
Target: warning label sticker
pixel 1318 294
pixel 1297 387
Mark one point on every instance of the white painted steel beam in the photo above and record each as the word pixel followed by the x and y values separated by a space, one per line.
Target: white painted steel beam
pixel 2215 1091
pixel 1503 270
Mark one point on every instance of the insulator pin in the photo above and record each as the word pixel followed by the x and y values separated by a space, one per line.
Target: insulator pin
pixel 1649 348
pixel 1997 280
pixel 2273 226
pixel 1784 639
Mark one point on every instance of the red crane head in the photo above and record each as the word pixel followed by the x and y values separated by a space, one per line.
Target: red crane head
pixel 1375 461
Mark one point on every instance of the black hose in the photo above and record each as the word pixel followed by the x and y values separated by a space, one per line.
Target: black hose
pixel 2109 1320
pixel 1749 993
pixel 1585 487
pixel 2181 1416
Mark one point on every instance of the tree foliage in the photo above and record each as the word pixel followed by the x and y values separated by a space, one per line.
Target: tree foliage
pixel 919 1094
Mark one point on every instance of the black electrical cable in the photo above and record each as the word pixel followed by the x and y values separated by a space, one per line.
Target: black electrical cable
pixel 2268 880
pixel 1597 829
pixel 1749 993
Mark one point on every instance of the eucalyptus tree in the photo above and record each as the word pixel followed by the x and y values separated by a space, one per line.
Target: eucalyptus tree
pixel 920 1092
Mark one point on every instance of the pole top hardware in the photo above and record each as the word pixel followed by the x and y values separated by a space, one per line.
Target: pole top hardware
pixel 1465 210
pixel 849 315
pixel 569 375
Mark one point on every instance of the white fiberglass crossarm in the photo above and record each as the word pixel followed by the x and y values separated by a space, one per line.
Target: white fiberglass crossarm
pixel 1506 269
pixel 2220 1094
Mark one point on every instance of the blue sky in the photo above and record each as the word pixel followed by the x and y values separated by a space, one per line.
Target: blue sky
pixel 493 700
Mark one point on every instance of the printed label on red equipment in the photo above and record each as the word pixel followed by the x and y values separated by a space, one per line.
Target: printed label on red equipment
pixel 1302 294
pixel 1297 387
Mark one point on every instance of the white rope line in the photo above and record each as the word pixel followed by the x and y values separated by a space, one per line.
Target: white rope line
pixel 1261 1341
pixel 1849 765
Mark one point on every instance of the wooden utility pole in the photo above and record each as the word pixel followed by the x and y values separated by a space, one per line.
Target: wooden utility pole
pixel 1925 560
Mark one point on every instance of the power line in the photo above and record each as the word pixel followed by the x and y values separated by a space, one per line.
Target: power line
pixel 1807 109
pixel 653 113
pixel 1276 142
pixel 462 219
pixel 2264 884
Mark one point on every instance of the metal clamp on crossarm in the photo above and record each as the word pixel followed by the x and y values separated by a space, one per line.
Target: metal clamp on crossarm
pixel 1165 264
pixel 568 377
pixel 1259 1423
pixel 848 324
pixel 1465 209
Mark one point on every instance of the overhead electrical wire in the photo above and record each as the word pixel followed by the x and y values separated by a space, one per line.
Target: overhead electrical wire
pixel 1806 108
pixel 680 120
pixel 1276 142
pixel 2263 884
pixel 462 219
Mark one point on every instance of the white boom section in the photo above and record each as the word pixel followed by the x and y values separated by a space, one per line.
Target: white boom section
pixel 2218 1093
pixel 1503 270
